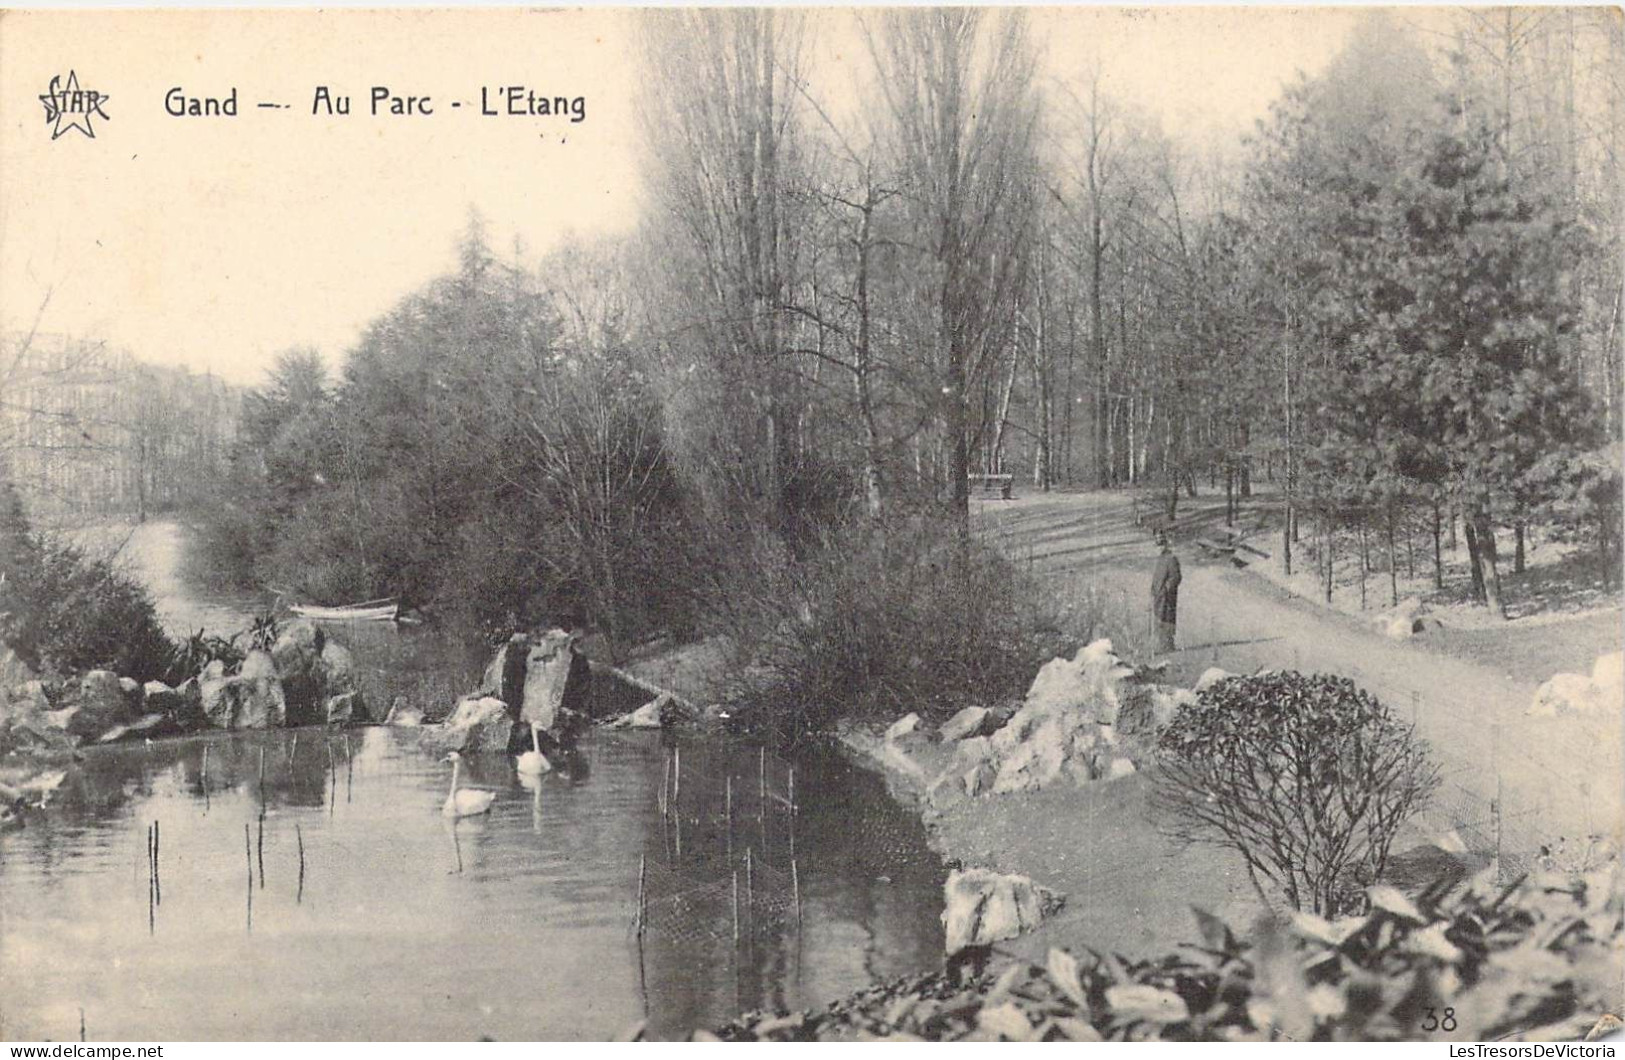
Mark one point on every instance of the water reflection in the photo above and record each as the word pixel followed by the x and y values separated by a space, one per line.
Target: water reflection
pixel 311 889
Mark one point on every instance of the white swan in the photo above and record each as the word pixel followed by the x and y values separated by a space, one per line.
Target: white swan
pixel 469 801
pixel 533 762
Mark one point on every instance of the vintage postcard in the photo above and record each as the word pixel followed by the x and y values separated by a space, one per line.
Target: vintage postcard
pixel 790 523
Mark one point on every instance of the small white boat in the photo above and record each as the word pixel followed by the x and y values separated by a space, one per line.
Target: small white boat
pixel 369 611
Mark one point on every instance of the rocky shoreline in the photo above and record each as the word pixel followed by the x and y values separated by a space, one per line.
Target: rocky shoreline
pixel 1088 725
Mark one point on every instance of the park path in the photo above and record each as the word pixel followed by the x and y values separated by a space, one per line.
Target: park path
pixel 1510 783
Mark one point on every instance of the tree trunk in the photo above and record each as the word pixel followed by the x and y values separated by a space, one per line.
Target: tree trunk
pixel 1365 559
pixel 1327 554
pixel 1393 563
pixel 1488 571
pixel 1517 547
pixel 1438 555
pixel 1472 560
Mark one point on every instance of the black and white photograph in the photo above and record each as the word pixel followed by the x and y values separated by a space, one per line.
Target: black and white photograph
pixel 787 523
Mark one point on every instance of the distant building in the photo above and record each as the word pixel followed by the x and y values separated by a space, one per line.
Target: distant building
pixel 88 429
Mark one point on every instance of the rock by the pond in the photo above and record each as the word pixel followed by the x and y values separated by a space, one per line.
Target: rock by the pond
pixel 184 703
pixel 907 725
pixel 556 680
pixel 1210 677
pixel 135 696
pixel 102 702
pixel 968 723
pixel 29 696
pixel 297 657
pixel 981 906
pixel 505 674
pixel 13 671
pixel 253 698
pixel 263 703
pixel 1063 731
pixel 403 713
pixel 346 708
pixel 649 716
pixel 1088 682
pixel 477 724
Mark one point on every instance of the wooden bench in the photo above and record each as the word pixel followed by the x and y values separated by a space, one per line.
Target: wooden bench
pixel 991 483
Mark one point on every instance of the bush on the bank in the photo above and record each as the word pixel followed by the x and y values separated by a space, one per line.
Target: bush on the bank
pixel 872 619
pixel 1538 960
pixel 77 612
pixel 1308 778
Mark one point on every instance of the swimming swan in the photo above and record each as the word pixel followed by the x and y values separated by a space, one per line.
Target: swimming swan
pixel 533 762
pixel 469 801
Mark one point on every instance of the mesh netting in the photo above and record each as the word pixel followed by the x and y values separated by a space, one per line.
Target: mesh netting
pixel 728 866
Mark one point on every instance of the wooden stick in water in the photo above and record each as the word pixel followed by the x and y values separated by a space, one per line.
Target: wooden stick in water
pixel 157 865
pixel 81 1023
pixel 642 874
pixel 795 890
pixel 300 837
pixel 248 860
pixel 260 848
pixel 665 785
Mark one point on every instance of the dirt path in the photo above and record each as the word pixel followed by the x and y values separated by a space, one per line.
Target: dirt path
pixel 1548 777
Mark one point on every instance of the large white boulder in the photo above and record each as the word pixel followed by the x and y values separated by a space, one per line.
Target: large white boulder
pixel 981 906
pixel 1088 681
pixel 555 678
pixel 1573 694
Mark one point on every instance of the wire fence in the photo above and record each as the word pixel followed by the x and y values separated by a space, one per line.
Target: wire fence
pixel 727 869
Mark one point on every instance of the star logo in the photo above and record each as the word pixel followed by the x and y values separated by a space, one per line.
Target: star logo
pixel 71 107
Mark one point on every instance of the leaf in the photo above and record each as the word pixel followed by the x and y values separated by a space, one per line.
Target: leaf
pixel 1007 1021
pixel 1077 1030
pixel 1063 969
pixel 1390 900
pixel 1431 942
pixel 1215 932
pixel 1148 1003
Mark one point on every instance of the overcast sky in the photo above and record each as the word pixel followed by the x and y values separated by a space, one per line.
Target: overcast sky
pixel 216 242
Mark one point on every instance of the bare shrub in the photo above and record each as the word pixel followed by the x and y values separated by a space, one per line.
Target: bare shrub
pixel 872 618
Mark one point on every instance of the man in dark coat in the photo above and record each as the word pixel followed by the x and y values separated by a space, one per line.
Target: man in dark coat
pixel 1165 595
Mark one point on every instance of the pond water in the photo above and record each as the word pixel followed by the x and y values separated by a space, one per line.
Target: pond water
pixel 308 887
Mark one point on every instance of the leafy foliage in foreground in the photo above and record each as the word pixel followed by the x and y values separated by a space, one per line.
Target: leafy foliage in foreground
pixel 1534 960
pixel 1308 778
